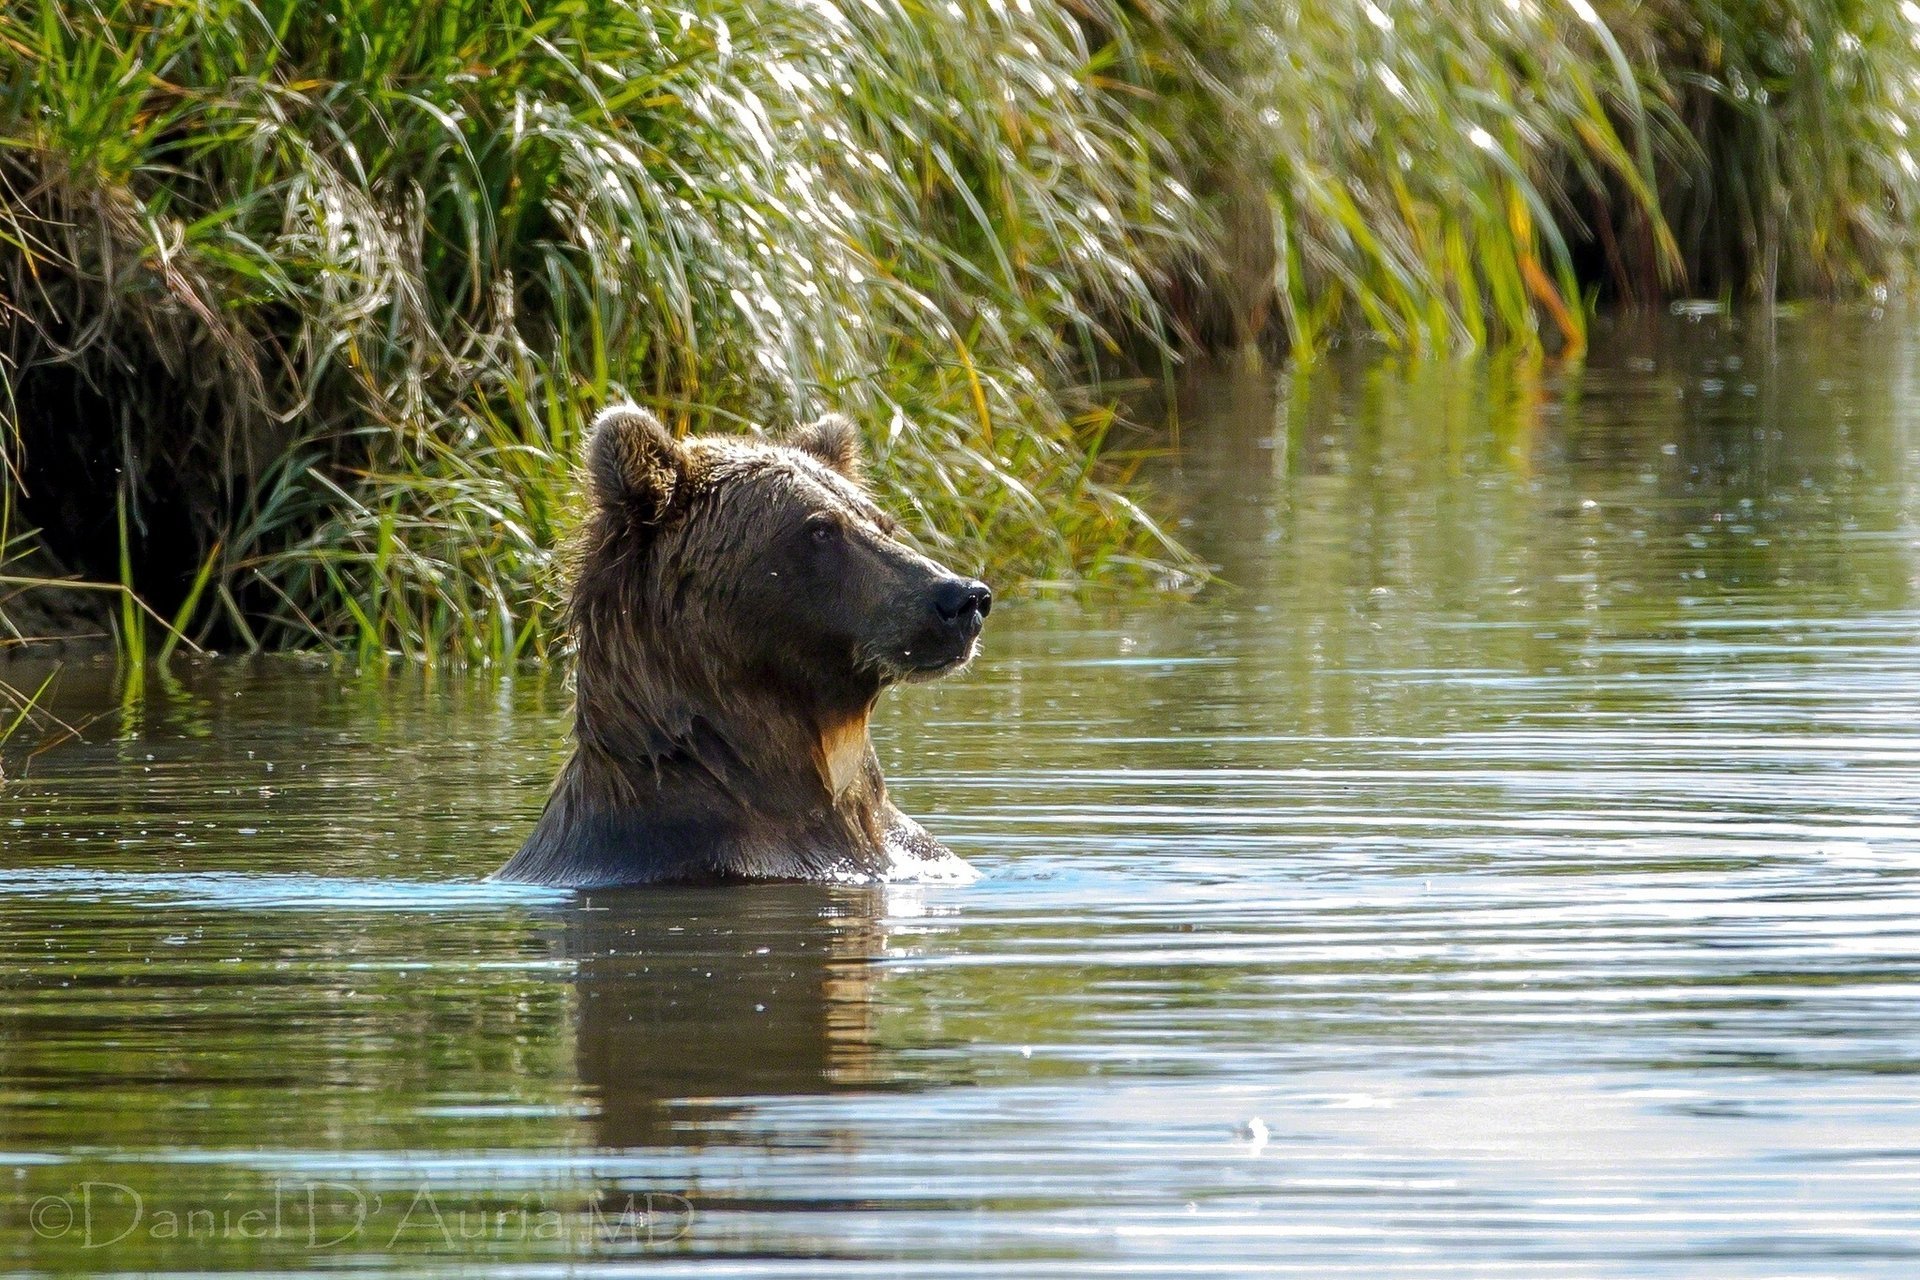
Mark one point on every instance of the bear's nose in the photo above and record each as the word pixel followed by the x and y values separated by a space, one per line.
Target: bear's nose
pixel 962 601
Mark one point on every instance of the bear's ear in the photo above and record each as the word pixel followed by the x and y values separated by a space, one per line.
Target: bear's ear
pixel 833 439
pixel 633 462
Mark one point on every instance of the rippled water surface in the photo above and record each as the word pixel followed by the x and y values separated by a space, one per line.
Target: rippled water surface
pixel 1512 871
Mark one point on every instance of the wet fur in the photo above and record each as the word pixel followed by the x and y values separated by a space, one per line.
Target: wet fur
pixel 705 749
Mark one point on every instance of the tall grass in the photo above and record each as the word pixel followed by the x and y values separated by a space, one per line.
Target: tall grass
pixel 1441 174
pixel 302 306
pixel 1402 167
pixel 332 287
pixel 1800 171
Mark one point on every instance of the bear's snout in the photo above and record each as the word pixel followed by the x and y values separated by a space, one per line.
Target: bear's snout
pixel 963 604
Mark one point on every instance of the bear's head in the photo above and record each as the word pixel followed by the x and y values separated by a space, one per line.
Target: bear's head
pixel 727 582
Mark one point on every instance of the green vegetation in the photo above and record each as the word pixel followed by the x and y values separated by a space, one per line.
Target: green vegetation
pixel 324 291
pixel 1443 174
pixel 16 706
pixel 22 708
pixel 302 306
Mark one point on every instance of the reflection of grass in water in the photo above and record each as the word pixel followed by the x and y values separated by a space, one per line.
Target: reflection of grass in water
pixel 330 290
pixel 18 708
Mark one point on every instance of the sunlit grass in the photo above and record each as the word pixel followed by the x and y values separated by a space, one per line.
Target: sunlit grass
pixel 303 308
pixel 1402 168
pixel 1448 174
pixel 347 280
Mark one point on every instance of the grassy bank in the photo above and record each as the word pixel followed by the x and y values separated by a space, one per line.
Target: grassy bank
pixel 304 305
pixel 1445 174
pixel 307 303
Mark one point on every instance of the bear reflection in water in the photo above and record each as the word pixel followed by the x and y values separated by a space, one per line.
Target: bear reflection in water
pixel 691 999
pixel 737 607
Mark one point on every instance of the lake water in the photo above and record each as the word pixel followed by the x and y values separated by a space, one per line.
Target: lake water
pixel 1514 870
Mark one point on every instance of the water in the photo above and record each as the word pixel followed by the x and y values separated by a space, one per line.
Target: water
pixel 1512 872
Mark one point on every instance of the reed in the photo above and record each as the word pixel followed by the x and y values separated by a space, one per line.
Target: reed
pixel 1796 167
pixel 1440 175
pixel 302 306
pixel 320 295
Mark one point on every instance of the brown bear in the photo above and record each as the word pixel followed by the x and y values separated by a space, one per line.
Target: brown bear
pixel 736 609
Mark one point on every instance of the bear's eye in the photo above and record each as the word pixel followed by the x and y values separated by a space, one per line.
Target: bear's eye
pixel 822 530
